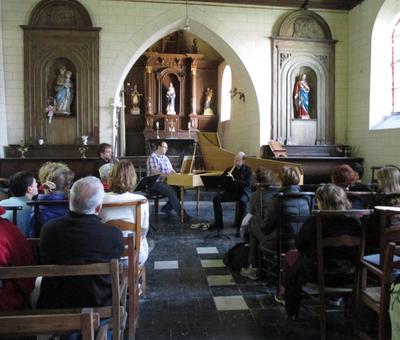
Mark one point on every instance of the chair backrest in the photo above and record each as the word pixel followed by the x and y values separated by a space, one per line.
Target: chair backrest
pixel 15 210
pixel 111 268
pixel 387 231
pixel 294 209
pixel 341 242
pixel 24 325
pixel 363 199
pixel 37 222
pixel 124 225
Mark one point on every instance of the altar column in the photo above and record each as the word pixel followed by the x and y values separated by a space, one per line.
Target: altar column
pixel 149 111
pixel 194 122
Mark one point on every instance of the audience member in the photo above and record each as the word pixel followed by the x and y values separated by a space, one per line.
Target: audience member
pixel 388 182
pixel 14 251
pixel 79 238
pixel 104 172
pixel 122 181
pixel 23 187
pixel 356 182
pixel 55 179
pixel 105 156
pixel 342 176
pixel 263 231
pixel 329 197
pixel 258 204
pixel 158 164
pixel 239 192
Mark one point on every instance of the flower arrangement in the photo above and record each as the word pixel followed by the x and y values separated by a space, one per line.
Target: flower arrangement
pixel 22 149
pixel 82 151
pixel 50 108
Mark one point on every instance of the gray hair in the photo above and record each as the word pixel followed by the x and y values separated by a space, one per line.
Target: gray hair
pixel 86 195
pixel 105 170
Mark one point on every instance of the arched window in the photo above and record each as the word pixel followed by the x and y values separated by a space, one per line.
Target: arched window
pixel 396 68
pixel 384 100
pixel 225 93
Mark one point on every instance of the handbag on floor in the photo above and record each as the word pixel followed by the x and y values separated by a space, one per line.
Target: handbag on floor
pixel 237 257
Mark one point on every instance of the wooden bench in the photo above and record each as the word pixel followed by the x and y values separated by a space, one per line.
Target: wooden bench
pixel 116 312
pixel 85 322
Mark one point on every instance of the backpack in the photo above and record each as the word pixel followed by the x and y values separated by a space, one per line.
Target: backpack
pixel 237 257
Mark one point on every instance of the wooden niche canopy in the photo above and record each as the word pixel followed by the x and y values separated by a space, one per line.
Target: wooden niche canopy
pixel 61 71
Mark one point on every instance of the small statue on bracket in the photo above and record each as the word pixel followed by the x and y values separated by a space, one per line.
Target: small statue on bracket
pixel 207 109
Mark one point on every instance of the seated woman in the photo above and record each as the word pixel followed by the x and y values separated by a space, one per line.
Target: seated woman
pixel 122 181
pixel 342 176
pixel 56 179
pixel 14 251
pixel 329 197
pixel 263 230
pixel 388 183
pixel 258 203
pixel 104 172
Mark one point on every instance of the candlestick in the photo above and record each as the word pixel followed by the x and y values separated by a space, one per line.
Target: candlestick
pixel 189 126
pixel 157 125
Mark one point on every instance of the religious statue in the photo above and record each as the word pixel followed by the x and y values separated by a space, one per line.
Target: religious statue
pixel 302 98
pixel 194 46
pixel 64 92
pixel 207 109
pixel 171 100
pixel 135 96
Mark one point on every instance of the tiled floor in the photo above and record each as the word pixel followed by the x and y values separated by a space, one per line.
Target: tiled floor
pixel 192 295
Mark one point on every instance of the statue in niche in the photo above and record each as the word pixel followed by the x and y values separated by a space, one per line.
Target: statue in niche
pixel 135 97
pixel 207 109
pixel 194 46
pixel 302 98
pixel 64 92
pixel 171 100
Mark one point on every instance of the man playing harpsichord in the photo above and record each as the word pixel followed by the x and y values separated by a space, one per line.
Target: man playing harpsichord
pixel 158 164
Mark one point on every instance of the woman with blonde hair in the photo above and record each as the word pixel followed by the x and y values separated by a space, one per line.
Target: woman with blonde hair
pixel 122 181
pixel 56 179
pixel 329 197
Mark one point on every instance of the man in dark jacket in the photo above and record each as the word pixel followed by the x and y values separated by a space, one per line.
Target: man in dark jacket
pixel 240 191
pixel 79 238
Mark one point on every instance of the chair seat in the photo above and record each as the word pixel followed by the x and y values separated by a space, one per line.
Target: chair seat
pixel 372 297
pixel 375 258
pixel 313 285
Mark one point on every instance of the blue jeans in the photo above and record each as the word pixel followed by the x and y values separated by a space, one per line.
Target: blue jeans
pixel 171 192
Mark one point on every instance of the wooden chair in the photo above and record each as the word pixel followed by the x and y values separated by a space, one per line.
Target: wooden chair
pixel 15 210
pixel 85 322
pixel 387 233
pixel 377 297
pixel 136 272
pixel 116 312
pixel 365 198
pixel 340 242
pixel 273 258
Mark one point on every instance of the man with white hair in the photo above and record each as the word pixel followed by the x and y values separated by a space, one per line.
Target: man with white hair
pixel 79 238
pixel 240 192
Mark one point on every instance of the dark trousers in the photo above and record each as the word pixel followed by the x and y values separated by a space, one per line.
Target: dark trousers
pixel 228 197
pixel 172 193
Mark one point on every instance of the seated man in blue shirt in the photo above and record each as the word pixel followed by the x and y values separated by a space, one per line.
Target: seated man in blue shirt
pixel 23 188
pixel 158 164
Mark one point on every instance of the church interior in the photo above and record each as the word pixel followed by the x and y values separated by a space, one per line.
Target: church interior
pixel 308 84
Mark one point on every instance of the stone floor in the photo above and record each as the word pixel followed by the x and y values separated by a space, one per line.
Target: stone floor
pixel 192 295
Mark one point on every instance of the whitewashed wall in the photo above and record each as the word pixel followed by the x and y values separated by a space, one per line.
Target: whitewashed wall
pixel 239 34
pixel 377 147
pixel 3 117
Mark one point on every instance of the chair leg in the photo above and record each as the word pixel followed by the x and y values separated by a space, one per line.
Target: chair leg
pixel 322 302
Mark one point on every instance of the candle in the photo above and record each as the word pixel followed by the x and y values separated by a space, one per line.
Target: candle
pixel 189 126
pixel 157 125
